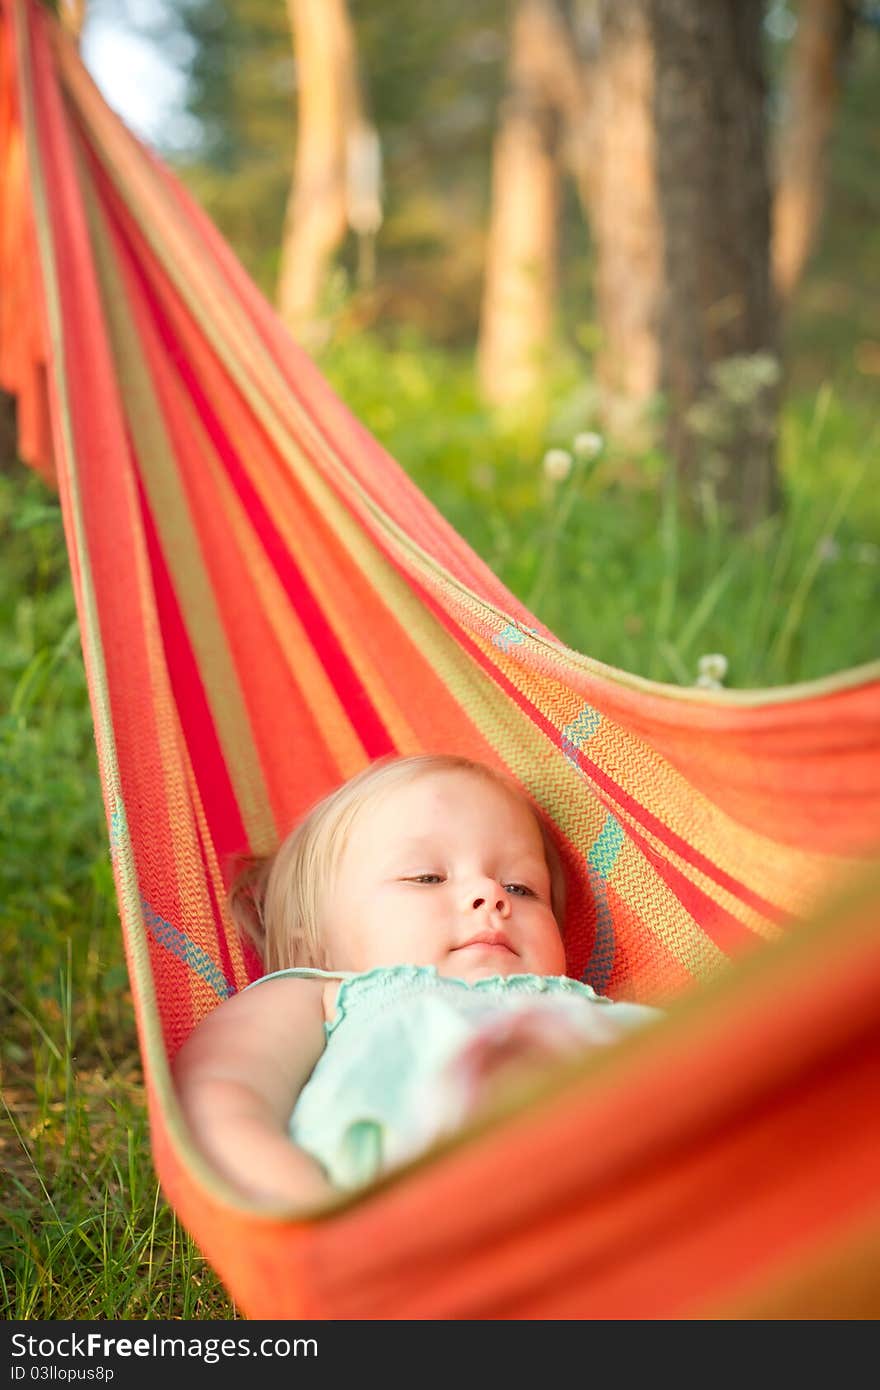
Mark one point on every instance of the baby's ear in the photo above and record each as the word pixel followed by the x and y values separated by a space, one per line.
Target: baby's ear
pixel 247 879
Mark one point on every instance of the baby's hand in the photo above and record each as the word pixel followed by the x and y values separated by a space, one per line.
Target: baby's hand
pixel 508 1050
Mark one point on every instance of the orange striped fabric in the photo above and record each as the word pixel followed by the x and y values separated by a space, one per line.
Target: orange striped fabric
pixel 267 603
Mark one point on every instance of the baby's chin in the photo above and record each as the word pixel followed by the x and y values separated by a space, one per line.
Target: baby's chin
pixel 472 963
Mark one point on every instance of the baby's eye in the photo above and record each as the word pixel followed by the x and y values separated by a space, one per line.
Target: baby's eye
pixel 519 888
pixel 426 878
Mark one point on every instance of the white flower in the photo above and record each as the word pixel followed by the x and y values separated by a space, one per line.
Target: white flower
pixel 588 445
pixel 708 683
pixel 557 465
pixel 827 549
pixel 712 669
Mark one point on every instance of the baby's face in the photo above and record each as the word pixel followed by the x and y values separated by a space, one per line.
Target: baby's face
pixel 447 870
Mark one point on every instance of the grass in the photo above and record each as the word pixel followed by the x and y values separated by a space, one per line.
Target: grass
pixel 86 1233
pixel 605 560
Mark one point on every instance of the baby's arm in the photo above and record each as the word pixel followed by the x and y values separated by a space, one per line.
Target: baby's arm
pixel 238 1076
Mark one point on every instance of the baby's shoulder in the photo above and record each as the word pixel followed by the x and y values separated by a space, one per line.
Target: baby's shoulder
pixel 319 984
pixel 250 1028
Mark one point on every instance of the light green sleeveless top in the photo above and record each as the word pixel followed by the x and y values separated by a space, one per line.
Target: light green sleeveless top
pixel 368 1105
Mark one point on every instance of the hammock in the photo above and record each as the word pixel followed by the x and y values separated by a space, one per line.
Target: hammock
pixel 267 604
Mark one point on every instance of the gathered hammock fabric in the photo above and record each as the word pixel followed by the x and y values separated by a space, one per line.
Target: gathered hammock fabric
pixel 267 603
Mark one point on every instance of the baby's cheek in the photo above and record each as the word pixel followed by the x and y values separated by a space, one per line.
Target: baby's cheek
pixel 550 948
pixel 561 952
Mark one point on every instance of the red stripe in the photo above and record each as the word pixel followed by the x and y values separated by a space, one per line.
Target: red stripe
pixel 194 712
pixel 352 694
pixel 727 931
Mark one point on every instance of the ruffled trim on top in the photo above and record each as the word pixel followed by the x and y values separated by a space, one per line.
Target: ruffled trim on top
pixel 405 974
pixel 365 983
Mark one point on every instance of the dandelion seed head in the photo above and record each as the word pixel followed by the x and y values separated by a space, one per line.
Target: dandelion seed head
pixel 588 444
pixel 557 465
pixel 712 666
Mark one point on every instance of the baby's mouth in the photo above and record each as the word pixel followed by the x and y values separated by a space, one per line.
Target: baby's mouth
pixel 495 939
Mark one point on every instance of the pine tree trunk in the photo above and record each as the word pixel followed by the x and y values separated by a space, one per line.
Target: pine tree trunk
pixel 811 92
pixel 327 110
pixel 718 324
pixel 519 296
pixel 73 16
pixel 624 215
pixel 8 433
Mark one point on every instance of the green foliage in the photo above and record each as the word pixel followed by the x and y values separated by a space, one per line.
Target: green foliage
pixel 604 557
pixel 241 80
pixel 432 88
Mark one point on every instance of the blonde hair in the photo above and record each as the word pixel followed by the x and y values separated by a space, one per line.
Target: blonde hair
pixel 277 900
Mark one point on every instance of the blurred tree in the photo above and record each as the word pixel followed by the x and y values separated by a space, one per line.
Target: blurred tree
pixel 580 93
pixel 522 245
pixel 241 92
pixel 8 433
pixel 718 331
pixel 336 174
pixel 623 211
pixel 811 91
pixel 434 82
pixel 664 114
pixel 437 79
pixel 73 16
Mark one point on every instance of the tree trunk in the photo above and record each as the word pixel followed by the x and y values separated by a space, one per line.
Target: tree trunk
pixel 73 16
pixel 624 217
pixel 519 296
pixel 8 433
pixel 575 83
pixel 811 91
pixel 720 364
pixel 330 123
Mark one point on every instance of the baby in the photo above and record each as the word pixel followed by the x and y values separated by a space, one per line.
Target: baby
pixel 411 928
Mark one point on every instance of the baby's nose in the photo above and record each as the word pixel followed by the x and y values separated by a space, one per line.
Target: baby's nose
pixel 491 895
